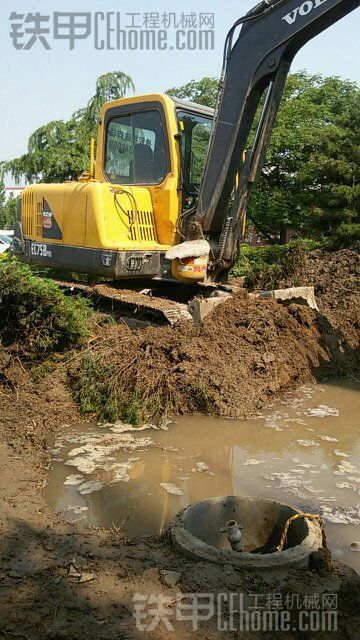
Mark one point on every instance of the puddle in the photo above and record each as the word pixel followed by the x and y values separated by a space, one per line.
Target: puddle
pixel 304 451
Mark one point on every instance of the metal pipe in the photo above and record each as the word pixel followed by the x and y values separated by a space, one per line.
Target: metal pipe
pixel 233 534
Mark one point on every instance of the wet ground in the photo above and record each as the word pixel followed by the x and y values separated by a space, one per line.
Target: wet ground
pixel 304 451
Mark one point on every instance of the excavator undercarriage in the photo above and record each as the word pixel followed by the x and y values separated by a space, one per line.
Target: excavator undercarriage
pixel 161 305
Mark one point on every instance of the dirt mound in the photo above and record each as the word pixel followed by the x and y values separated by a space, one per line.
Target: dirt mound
pixel 247 352
pixel 336 278
pixel 332 274
pixel 250 350
pixel 29 409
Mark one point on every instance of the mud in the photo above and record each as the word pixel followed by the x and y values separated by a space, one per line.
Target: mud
pixel 336 277
pixel 61 580
pixel 29 409
pixel 246 353
pixel 304 450
pixel 64 580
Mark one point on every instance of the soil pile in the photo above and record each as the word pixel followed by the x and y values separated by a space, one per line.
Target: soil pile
pixel 247 352
pixel 336 278
pixel 29 409
pixel 250 350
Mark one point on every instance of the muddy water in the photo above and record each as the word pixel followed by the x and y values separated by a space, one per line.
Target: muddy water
pixel 304 451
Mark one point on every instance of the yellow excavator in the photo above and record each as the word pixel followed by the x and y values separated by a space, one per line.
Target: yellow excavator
pixel 121 217
pixel 165 199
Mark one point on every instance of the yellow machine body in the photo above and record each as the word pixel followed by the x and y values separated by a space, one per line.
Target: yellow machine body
pixel 96 225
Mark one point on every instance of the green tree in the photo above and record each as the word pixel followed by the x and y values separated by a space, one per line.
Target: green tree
pixel 8 207
pixel 200 91
pixel 311 177
pixel 2 192
pixel 54 154
pixel 109 86
pixel 59 150
pixel 8 212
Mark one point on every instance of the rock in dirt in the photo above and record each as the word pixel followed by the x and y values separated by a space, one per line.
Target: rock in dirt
pixel 170 578
pixel 73 572
pixel 86 577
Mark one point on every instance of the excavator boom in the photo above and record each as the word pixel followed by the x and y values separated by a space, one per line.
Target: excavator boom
pixel 271 34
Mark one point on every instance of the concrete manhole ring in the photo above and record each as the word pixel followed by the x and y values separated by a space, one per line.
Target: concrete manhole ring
pixel 196 533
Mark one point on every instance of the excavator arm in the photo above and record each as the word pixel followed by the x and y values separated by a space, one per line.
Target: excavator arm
pixel 271 34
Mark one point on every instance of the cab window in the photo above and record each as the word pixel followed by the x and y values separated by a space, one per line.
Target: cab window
pixel 195 130
pixel 135 151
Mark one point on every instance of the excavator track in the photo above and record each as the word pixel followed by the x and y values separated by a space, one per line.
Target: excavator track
pixel 139 305
pixel 129 303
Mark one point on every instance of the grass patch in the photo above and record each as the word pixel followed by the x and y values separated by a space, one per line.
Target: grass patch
pixel 40 370
pixel 35 316
pixel 127 394
pixel 266 267
pixel 97 390
pixel 202 402
pixel 92 389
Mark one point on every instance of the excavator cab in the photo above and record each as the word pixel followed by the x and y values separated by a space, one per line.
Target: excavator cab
pixel 195 127
pixel 121 217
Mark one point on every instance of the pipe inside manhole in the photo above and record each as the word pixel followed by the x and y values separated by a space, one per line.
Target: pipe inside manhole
pixel 199 532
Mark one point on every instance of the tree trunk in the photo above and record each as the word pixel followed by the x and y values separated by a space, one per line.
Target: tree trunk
pixel 283 233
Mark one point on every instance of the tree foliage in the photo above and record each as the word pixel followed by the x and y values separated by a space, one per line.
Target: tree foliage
pixel 2 191
pixel 109 86
pixel 8 212
pixel 202 91
pixel 311 177
pixel 8 206
pixel 59 150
